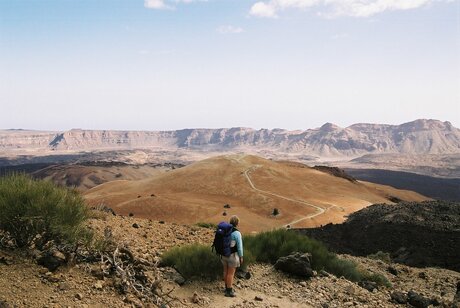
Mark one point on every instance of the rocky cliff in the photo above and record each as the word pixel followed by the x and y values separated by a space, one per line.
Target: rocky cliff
pixel 417 137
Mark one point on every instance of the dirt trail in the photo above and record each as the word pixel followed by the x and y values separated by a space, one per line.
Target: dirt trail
pixel 318 209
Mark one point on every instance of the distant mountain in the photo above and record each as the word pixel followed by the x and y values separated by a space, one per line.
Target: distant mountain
pixel 417 137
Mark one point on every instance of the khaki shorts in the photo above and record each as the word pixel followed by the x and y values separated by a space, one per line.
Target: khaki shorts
pixel 231 261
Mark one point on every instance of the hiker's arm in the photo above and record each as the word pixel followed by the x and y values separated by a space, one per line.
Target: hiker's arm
pixel 239 243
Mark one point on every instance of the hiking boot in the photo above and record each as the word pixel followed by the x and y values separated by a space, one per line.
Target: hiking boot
pixel 229 292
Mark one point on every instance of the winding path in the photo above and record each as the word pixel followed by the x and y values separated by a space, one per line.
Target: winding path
pixel 318 209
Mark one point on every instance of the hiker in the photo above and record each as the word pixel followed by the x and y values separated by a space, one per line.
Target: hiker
pixel 235 259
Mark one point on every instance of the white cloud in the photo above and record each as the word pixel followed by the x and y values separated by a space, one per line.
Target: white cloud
pixel 156 4
pixel 229 29
pixel 334 8
pixel 162 4
pixel 261 9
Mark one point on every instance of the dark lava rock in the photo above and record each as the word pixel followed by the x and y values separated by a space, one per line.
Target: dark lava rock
pixel 227 206
pixel 7 260
pixel 173 275
pixel 392 270
pixel 420 234
pixel 4 304
pixel 130 214
pixel 243 274
pixel 296 263
pixel 368 285
pixel 417 300
pixel 435 302
pixel 135 225
pixel 423 275
pixel 51 259
pixel 398 297
pixel 336 172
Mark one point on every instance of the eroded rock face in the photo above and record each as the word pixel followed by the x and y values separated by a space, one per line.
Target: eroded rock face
pixel 297 263
pixel 417 137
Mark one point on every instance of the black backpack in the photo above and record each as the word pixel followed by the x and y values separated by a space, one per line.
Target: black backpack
pixel 223 239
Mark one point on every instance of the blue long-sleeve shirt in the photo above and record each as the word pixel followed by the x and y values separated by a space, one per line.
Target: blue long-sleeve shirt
pixel 238 241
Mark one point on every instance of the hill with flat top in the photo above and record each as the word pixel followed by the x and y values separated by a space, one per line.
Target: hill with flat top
pixel 249 186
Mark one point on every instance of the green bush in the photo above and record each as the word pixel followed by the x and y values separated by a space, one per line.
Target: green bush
pixel 39 211
pixel 194 261
pixel 270 246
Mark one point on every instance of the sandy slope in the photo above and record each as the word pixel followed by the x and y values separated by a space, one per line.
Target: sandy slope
pixel 199 191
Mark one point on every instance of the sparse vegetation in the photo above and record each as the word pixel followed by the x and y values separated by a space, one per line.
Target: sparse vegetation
pixel 199 261
pixel 194 261
pixel 378 278
pixel 208 225
pixel 380 255
pixel 38 211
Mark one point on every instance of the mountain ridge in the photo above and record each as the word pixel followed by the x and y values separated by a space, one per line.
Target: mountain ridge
pixel 417 137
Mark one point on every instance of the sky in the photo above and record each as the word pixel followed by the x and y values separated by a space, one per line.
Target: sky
pixel 173 64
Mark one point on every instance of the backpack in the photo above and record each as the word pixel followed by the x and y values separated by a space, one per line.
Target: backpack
pixel 223 239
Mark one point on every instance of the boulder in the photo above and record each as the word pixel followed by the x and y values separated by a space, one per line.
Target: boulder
pixel 418 300
pixel 368 285
pixel 296 263
pixel 398 297
pixel 392 270
pixel 172 274
pixel 242 274
pixel 51 259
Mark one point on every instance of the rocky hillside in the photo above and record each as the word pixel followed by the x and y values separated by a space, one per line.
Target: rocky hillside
pixel 23 283
pixel 417 234
pixel 417 137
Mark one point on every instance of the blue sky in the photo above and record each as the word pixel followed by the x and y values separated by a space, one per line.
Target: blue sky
pixel 164 64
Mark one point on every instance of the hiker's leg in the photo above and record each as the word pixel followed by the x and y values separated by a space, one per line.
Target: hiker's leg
pixel 230 273
pixel 225 268
pixel 225 273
